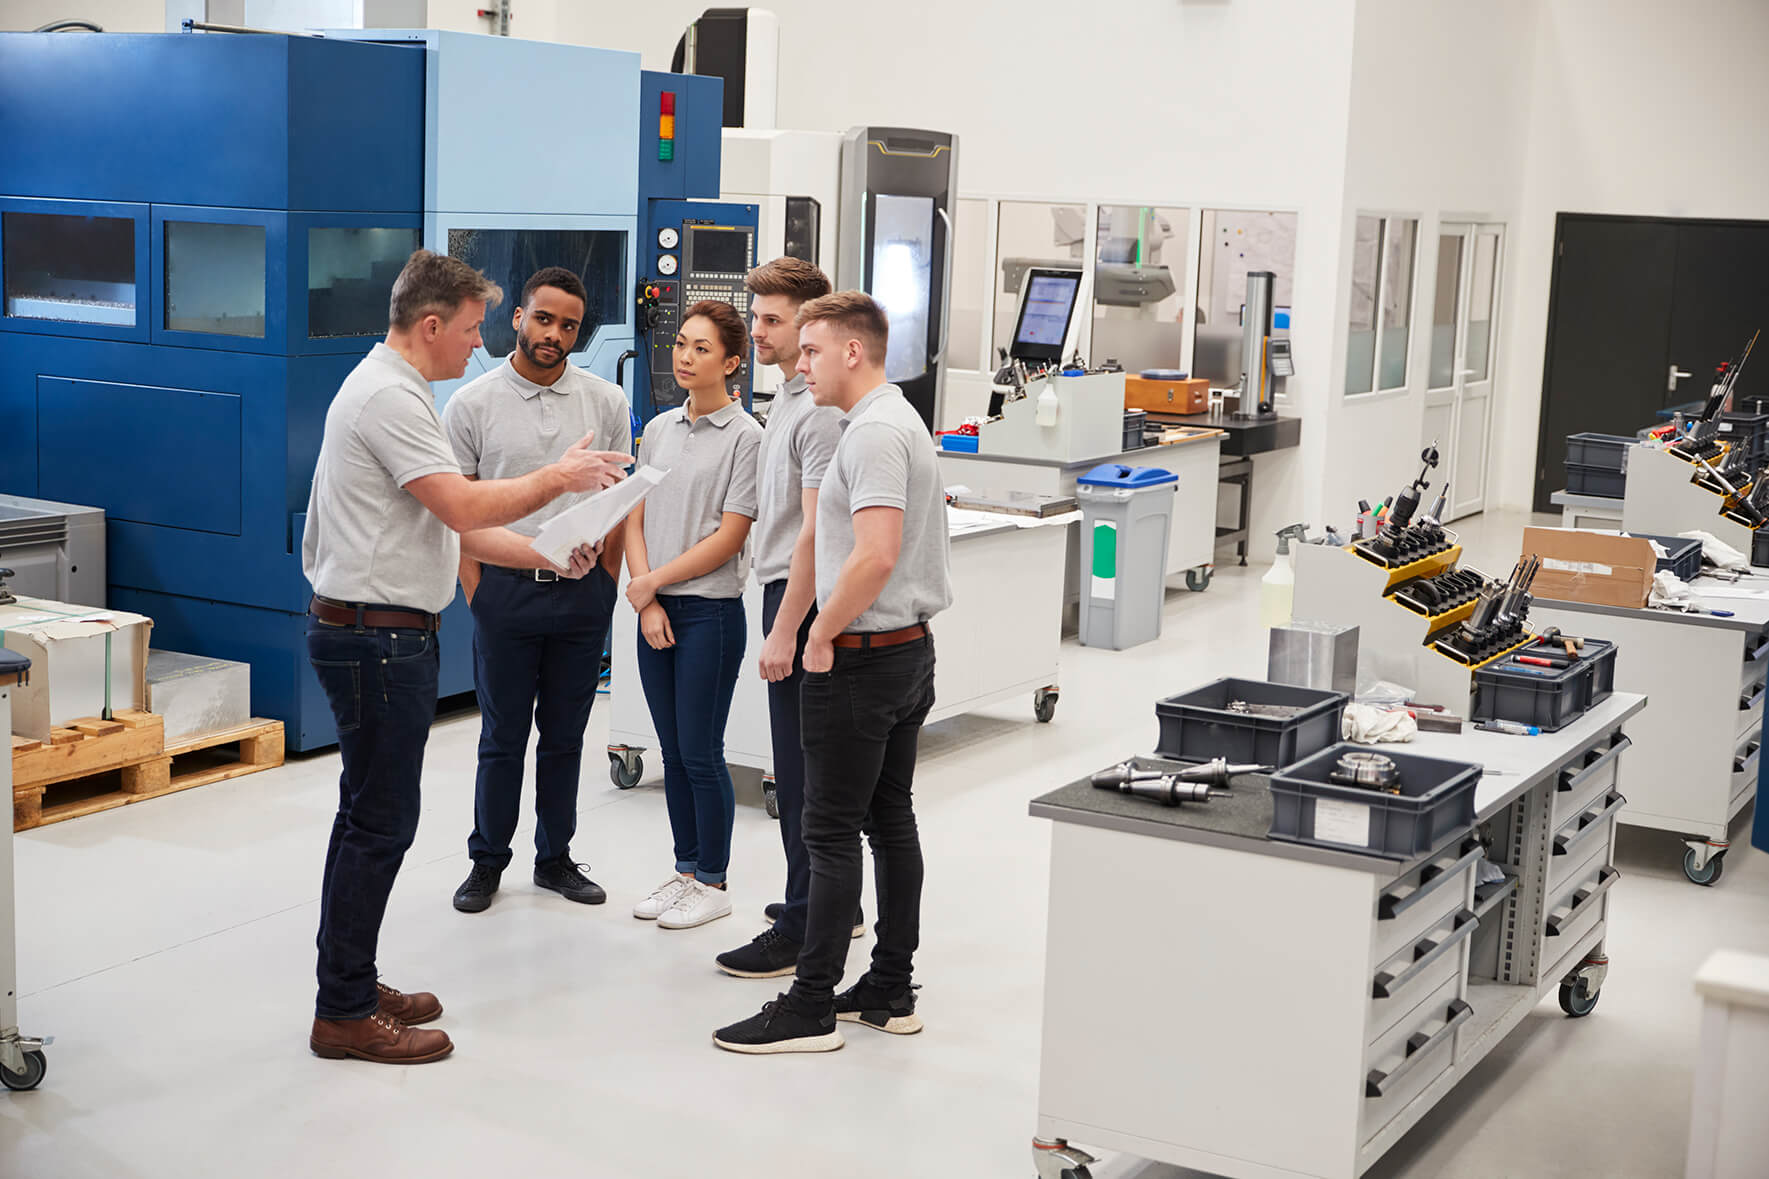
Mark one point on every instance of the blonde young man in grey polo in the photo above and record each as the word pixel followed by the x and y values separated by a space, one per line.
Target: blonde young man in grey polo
pixel 538 631
pixel 381 550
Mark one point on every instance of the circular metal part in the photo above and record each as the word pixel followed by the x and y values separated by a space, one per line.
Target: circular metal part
pixel 1360 768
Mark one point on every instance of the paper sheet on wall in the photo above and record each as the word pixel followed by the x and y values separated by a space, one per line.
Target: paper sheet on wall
pixel 591 520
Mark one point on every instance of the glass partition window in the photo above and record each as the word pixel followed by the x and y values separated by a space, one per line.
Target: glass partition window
pixel 1380 320
pixel 1234 242
pixel 970 277
pixel 902 279
pixel 350 273
pixel 215 278
pixel 1480 306
pixel 1443 314
pixel 70 268
pixel 1138 286
pixel 509 256
pixel 1031 234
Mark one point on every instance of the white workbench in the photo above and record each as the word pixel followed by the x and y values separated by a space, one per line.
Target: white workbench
pixel 1191 544
pixel 1587 511
pixel 1696 750
pixel 1268 1009
pixel 22 1063
pixel 999 639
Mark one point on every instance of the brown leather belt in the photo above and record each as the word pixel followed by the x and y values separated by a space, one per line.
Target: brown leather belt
pixel 883 638
pixel 366 615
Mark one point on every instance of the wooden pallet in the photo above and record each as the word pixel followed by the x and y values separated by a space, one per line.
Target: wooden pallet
pixel 94 765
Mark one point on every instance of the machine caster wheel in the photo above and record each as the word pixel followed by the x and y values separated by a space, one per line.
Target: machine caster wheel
pixel 1704 875
pixel 1198 580
pixel 1575 1001
pixel 1059 1160
pixel 1044 705
pixel 770 797
pixel 36 1064
pixel 625 769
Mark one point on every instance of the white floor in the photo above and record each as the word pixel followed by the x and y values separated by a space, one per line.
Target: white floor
pixel 168 947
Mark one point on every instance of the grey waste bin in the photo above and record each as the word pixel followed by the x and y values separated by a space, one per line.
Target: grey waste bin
pixel 1126 518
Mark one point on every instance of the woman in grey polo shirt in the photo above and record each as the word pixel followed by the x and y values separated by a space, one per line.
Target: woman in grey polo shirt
pixel 687 553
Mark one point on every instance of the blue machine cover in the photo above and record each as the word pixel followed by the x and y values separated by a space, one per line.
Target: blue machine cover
pixel 1117 475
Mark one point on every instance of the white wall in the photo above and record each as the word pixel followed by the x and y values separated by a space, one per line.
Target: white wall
pixel 115 16
pixel 1639 107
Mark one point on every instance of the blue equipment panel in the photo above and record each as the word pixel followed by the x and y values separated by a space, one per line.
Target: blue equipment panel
pixel 707 247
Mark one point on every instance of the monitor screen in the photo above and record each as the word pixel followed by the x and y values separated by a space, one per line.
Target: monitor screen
pixel 718 251
pixel 1048 306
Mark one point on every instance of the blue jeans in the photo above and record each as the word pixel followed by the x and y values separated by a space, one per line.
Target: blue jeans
pixel 688 689
pixel 381 684
pixel 789 767
pixel 537 653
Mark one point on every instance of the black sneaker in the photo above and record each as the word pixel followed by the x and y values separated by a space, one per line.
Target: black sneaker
pixel 769 955
pixel 474 895
pixel 567 879
pixel 774 912
pixel 867 1004
pixel 781 1026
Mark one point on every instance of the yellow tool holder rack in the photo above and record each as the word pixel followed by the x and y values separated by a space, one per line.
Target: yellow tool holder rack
pixel 1664 496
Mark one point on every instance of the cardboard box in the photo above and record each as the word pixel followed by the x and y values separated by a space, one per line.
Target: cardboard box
pixel 197 695
pixel 1188 396
pixel 82 661
pixel 1591 567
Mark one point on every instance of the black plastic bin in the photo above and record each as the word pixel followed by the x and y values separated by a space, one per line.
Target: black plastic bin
pixel 1435 805
pixel 1682 555
pixel 1598 481
pixel 1760 547
pixel 1197 725
pixel 1607 452
pixel 1749 431
pixel 1504 691
pixel 1134 420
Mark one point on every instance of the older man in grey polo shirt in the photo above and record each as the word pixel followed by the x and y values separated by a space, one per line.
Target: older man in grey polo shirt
pixel 882 573
pixel 381 550
pixel 538 631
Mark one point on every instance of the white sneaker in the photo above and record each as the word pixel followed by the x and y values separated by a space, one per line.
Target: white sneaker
pixel 661 898
pixel 696 905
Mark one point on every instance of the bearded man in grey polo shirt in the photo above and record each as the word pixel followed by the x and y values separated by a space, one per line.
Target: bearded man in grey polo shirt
pixel 381 549
pixel 538 631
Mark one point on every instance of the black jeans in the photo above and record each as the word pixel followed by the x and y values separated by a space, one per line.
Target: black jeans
pixel 381 684
pixel 789 767
pixel 862 721
pixel 537 653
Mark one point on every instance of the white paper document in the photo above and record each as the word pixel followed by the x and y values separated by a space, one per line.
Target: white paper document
pixel 591 520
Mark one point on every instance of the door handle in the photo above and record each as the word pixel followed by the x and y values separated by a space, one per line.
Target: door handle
pixel 1677 374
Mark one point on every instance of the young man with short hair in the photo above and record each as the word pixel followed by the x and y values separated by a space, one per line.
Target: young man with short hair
pixel 882 561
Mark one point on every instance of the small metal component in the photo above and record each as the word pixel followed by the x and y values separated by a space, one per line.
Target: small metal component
pixel 1360 768
pixel 1214 773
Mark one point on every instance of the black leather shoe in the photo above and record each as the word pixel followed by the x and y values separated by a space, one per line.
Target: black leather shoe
pixel 568 880
pixel 474 895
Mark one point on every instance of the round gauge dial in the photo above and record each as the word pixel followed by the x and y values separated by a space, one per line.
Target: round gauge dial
pixel 666 265
pixel 667 238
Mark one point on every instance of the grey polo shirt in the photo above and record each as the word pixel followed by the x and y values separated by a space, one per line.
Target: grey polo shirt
pixel 796 449
pixel 367 538
pixel 886 460
pixel 712 470
pixel 503 426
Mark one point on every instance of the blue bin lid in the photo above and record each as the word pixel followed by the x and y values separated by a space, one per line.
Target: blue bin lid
pixel 12 664
pixel 1163 374
pixel 1118 475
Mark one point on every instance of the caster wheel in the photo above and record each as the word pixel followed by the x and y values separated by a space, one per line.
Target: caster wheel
pixel 1198 580
pixel 1707 875
pixel 1044 706
pixel 36 1064
pixel 1575 1001
pixel 624 773
pixel 771 799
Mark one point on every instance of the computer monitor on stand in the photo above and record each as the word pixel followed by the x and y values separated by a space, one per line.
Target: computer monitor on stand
pixel 1047 308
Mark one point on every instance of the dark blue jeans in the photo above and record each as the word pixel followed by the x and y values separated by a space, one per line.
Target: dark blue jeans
pixel 537 653
pixel 789 767
pixel 381 684
pixel 688 689
pixel 862 725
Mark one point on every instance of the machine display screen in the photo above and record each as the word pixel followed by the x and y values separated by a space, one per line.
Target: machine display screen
pixel 903 279
pixel 718 251
pixel 1044 315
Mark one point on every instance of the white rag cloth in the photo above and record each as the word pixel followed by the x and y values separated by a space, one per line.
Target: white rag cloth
pixel 1365 724
pixel 1717 552
pixel 1667 588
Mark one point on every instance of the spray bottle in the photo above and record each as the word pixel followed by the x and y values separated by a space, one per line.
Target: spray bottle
pixel 1277 589
pixel 1048 403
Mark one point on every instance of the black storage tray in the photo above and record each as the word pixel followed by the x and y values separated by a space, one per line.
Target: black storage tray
pixel 1607 452
pixel 1598 481
pixel 1549 702
pixel 1749 430
pixel 1197 726
pixel 1436 805
pixel 1133 429
pixel 1682 555
pixel 1760 547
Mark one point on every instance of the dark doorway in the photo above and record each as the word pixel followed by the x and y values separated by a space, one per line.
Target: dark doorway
pixel 1635 302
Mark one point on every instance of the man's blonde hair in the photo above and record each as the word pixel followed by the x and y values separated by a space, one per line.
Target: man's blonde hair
pixel 436 284
pixel 852 315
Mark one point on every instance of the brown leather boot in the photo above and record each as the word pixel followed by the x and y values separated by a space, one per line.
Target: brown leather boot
pixel 379 1039
pixel 413 1009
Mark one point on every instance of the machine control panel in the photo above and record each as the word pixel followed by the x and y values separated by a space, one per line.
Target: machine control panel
pixel 714 260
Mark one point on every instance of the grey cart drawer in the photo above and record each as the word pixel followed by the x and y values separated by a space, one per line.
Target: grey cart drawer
pixel 1585 781
pixel 1417 971
pixel 1413 1054
pixel 1418 900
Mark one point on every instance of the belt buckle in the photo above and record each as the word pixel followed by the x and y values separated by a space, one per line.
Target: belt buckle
pixel 544 575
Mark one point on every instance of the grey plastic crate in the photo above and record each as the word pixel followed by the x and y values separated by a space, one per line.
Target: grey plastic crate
pixel 1760 547
pixel 1435 805
pixel 1598 481
pixel 1134 420
pixel 1606 451
pixel 1682 555
pixel 1197 725
pixel 1504 691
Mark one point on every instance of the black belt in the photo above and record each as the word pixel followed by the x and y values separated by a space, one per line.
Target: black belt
pixel 541 575
pixel 367 614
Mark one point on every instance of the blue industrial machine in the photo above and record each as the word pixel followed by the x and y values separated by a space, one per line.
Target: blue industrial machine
pixel 198 234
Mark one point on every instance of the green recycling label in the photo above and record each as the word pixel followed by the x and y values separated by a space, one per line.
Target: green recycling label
pixel 1105 560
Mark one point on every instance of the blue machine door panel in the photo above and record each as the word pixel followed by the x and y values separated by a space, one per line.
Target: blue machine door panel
pixel 341 272
pixel 75 268
pixel 95 445
pixel 221 278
